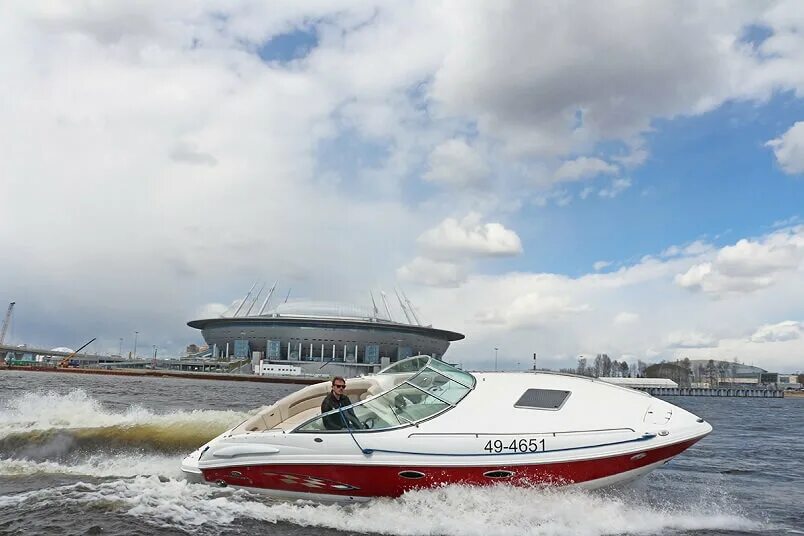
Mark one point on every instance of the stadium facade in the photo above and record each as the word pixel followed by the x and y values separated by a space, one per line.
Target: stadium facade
pixel 310 331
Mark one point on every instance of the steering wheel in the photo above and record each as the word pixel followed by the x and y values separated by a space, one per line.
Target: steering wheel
pixel 369 423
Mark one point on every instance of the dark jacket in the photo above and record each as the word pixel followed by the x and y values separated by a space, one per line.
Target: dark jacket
pixel 338 421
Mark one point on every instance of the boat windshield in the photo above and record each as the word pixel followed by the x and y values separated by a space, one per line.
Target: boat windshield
pixel 409 364
pixel 435 388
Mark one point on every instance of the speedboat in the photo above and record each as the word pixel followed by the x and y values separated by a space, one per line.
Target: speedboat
pixel 422 423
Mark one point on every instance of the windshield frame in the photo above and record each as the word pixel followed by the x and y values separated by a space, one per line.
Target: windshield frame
pixel 407 382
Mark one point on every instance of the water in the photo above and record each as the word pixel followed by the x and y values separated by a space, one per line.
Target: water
pixel 100 455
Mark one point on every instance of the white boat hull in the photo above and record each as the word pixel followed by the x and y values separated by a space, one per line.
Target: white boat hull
pixel 598 435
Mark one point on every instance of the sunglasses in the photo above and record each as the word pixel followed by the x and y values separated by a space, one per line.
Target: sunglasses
pixel 339 386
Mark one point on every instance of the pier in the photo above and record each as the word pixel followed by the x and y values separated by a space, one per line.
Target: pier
pixel 161 373
pixel 740 392
pixel 28 354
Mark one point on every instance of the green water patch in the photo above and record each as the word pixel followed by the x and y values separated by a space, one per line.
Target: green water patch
pixel 58 443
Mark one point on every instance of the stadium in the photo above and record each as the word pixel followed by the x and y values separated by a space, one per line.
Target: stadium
pixel 303 331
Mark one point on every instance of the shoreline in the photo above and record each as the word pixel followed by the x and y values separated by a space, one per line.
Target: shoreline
pixel 300 380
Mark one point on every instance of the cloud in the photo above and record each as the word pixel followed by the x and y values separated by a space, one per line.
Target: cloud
pixel 789 149
pixel 697 247
pixel 532 309
pixel 584 168
pixel 191 166
pixel 616 188
pixel 433 273
pixel 636 310
pixel 469 237
pixel 561 198
pixel 690 339
pixel 783 331
pixel 637 156
pixel 455 163
pixel 748 265
pixel 565 98
pixel 626 318
pixel 599 265
pixel 188 153
pixel 213 310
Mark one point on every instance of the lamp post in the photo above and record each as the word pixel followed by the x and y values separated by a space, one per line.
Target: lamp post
pixel 495 358
pixel 135 343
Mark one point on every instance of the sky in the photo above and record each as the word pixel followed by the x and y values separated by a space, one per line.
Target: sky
pixel 558 178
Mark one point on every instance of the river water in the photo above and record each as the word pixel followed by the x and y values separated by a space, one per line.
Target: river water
pixel 86 454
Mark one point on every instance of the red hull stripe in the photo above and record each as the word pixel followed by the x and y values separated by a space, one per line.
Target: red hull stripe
pixel 386 481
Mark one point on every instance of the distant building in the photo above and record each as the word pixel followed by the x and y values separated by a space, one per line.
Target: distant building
pixel 783 381
pixel 640 383
pixel 715 372
pixel 672 371
pixel 304 331
pixel 275 369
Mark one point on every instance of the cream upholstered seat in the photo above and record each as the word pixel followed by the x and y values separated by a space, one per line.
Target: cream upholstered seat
pixel 303 405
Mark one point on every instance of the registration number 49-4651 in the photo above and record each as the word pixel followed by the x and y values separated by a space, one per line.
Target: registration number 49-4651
pixel 516 445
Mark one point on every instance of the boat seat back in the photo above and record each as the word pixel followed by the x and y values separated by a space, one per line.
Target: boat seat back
pixel 371 391
pixel 264 420
pixel 303 402
pixel 354 390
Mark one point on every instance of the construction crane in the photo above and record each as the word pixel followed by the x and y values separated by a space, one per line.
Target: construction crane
pixel 6 322
pixel 65 362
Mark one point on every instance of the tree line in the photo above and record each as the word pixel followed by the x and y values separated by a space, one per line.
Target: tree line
pixel 604 366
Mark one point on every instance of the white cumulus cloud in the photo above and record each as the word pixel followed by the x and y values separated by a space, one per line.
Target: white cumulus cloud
pixel 637 310
pixel 626 318
pixel 469 237
pixel 599 265
pixel 616 187
pixel 584 167
pixel 789 149
pixel 783 331
pixel 455 163
pixel 433 273
pixel 747 265
pixel 533 309
pixel 690 339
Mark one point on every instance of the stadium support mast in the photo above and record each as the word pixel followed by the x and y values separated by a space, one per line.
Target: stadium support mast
pixel 268 297
pixel 254 302
pixel 374 305
pixel 412 309
pixel 242 303
pixel 6 322
pixel 402 305
pixel 387 309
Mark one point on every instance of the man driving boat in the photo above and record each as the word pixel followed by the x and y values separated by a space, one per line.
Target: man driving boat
pixel 337 399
